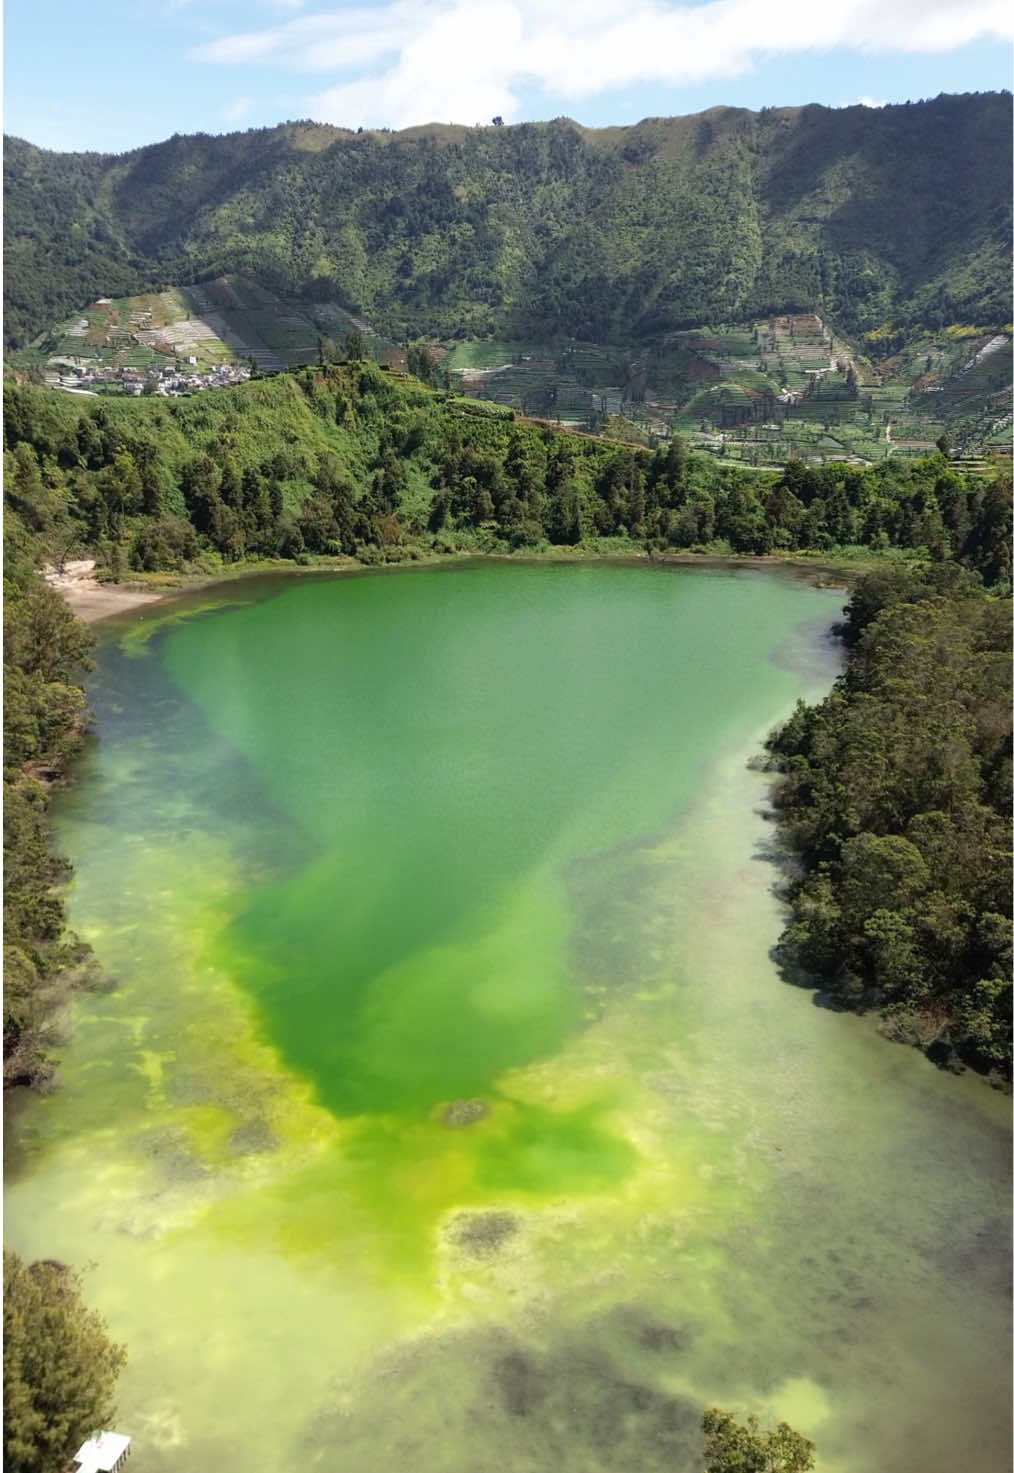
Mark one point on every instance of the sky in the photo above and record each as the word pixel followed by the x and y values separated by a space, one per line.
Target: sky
pixel 113 75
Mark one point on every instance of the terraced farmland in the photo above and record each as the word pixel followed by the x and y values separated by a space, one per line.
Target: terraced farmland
pixel 760 392
pixel 787 386
pixel 226 321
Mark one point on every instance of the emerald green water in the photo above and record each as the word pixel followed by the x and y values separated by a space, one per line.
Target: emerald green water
pixel 356 849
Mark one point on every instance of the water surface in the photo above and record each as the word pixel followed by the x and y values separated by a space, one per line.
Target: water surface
pixel 358 849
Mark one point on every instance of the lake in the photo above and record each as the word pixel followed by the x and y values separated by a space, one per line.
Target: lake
pixel 448 1109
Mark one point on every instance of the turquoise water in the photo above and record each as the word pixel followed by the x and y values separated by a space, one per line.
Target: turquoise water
pixel 358 850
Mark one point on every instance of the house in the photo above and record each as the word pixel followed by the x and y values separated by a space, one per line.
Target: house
pixel 103 1453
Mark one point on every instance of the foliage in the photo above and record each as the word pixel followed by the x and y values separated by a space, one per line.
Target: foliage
pixel 45 650
pixel 60 1367
pixel 344 459
pixel 894 215
pixel 897 797
pixel 731 1447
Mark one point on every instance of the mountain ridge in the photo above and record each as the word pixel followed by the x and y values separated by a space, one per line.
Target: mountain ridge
pixel 880 217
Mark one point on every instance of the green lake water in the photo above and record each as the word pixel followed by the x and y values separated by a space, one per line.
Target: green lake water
pixel 356 849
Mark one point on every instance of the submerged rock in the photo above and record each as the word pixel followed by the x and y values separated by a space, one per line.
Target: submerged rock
pixel 251 1138
pixel 565 1403
pixel 465 1112
pixel 483 1233
pixel 170 1150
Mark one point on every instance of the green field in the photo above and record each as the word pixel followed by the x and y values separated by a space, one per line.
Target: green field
pixel 760 391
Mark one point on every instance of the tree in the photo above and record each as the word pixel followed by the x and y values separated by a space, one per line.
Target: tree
pixel 733 1448
pixel 498 122
pixel 676 465
pixel 420 361
pixel 355 345
pixel 42 637
pixel 60 1367
pixel 897 798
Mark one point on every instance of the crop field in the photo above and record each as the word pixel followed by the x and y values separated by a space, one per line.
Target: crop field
pixel 140 332
pixel 732 343
pixel 759 391
pixel 291 336
pixel 535 388
pixel 214 322
pixel 334 321
pixel 234 294
pixel 784 386
pixel 479 356
pixel 595 368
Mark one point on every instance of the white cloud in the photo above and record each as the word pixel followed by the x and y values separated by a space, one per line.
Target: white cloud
pixel 415 61
pixel 871 102
pixel 236 110
pixel 172 5
pixel 336 41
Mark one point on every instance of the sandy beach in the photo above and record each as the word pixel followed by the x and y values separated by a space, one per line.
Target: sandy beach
pixel 92 600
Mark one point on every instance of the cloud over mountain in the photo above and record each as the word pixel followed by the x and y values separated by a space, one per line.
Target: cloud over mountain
pixel 401 63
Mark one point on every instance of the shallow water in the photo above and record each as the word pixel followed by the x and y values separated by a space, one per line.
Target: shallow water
pixel 357 849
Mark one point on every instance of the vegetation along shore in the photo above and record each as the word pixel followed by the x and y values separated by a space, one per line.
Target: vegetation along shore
pixel 346 465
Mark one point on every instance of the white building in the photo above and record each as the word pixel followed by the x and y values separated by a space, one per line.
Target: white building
pixel 102 1454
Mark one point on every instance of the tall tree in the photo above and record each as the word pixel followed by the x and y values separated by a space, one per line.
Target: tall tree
pixel 60 1366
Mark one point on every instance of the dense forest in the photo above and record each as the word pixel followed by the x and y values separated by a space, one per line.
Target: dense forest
pixel 882 218
pixel 897 797
pixel 903 768
pixel 45 655
pixel 348 460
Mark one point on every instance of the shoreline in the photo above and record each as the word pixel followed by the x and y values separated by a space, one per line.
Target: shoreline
pixel 93 601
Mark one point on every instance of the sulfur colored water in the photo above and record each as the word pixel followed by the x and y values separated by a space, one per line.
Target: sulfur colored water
pixel 449 1113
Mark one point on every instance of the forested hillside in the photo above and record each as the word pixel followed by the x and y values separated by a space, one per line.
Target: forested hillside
pixel 897 796
pixel 45 656
pixel 349 460
pixel 883 218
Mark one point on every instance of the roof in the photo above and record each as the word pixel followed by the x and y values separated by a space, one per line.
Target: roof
pixel 102 1453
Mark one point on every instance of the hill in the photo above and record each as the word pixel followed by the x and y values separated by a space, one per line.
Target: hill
pixel 350 459
pixel 885 220
pixel 761 392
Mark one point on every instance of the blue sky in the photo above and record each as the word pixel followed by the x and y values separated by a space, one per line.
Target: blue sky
pixel 113 75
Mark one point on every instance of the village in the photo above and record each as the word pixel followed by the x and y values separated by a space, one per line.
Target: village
pixel 156 345
pixel 183 376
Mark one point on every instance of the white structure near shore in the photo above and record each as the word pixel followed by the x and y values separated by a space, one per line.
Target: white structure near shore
pixel 103 1453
